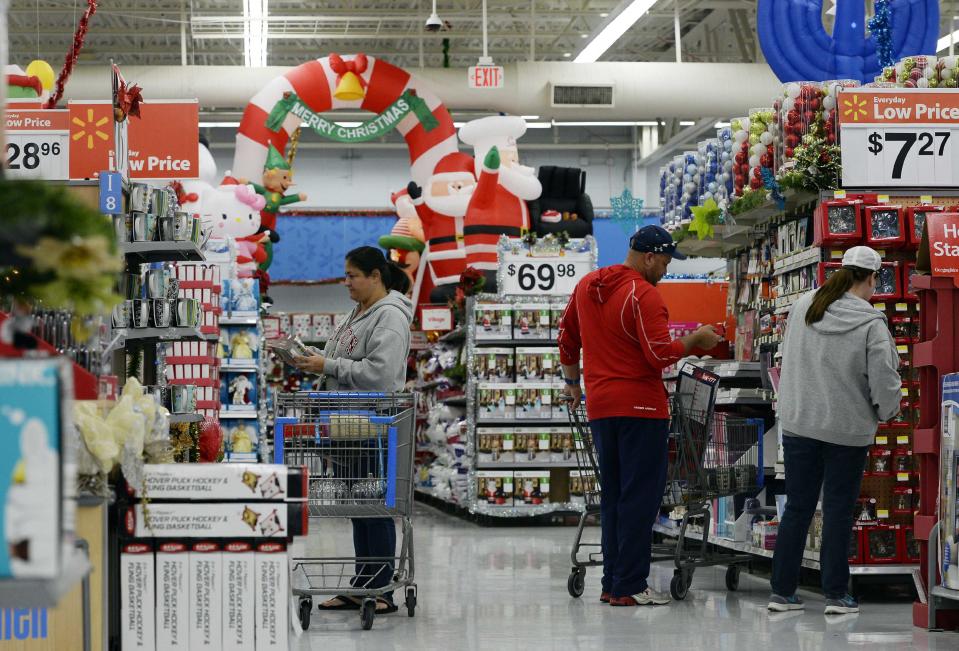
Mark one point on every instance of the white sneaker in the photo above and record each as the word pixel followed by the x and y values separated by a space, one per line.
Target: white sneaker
pixel 647 597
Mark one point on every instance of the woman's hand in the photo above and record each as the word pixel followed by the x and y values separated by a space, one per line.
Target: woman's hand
pixel 311 363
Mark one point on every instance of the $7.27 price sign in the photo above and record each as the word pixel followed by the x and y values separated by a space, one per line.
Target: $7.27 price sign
pixel 553 276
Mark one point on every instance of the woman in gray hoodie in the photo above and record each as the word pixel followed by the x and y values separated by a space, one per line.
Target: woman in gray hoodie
pixel 368 352
pixel 840 379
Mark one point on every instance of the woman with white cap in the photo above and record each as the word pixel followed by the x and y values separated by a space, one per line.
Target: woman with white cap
pixel 840 379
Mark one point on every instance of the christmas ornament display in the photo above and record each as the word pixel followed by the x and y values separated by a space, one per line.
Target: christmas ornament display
pixel 800 111
pixel 740 154
pixel 763 139
pixel 947 71
pixel 917 72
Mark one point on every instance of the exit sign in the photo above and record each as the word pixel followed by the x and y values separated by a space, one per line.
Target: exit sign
pixel 485 77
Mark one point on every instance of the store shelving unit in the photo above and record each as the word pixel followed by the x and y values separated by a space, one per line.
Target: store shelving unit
pixel 143 252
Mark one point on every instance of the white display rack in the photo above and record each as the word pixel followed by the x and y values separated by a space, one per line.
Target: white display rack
pixel 237 319
pixel 165 334
pixel 249 366
pixel 249 415
pixel 524 510
pixel 795 261
pixel 186 251
pixel 517 465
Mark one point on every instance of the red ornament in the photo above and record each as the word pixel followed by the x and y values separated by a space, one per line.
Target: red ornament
pixel 830 139
pixel 801 105
pixel 789 152
pixel 766 160
pixel 757 173
pixel 792 141
pixel 808 117
pixel 809 91
pixel 824 157
pixel 756 182
pixel 744 169
pixel 792 117
pixel 814 104
pixel 211 440
pixel 741 158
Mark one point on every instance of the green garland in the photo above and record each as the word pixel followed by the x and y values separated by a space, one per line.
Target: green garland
pixel 681 233
pixel 749 200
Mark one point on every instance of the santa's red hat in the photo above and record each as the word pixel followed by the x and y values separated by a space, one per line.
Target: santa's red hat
pixel 229 180
pixel 454 167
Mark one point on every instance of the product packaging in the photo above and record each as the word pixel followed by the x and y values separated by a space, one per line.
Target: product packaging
pixel 881 544
pixel 916 222
pixel 210 481
pixel 531 321
pixel 908 289
pixel 532 445
pixel 494 364
pixel 948 477
pixel 838 222
pixel 238 391
pixel 497 401
pixel 495 487
pixel 493 320
pixel 494 445
pixel 888 283
pixel 241 344
pixel 217 520
pixel 241 439
pixel 272 596
pixel 855 546
pixel 800 114
pixel 206 592
pixel 885 226
pixel 555 315
pixel 534 401
pixel 909 545
pixel 559 409
pixel 532 487
pixel 238 596
pixel 241 296
pixel 137 600
pixel 531 364
pixel 172 595
pixel 561 445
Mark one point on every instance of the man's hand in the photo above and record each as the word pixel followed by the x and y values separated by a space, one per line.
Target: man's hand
pixel 311 363
pixel 707 337
pixel 574 393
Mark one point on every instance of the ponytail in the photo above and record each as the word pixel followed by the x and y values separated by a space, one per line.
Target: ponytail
pixel 840 282
pixel 369 259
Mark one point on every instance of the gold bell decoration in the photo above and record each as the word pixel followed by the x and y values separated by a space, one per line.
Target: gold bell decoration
pixel 349 88
pixel 350 85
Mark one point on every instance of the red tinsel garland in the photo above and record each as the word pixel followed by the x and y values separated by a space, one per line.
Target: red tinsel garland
pixel 71 59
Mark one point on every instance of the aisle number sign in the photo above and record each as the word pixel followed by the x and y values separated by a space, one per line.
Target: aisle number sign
pixel 899 137
pixel 943 229
pixel 37 144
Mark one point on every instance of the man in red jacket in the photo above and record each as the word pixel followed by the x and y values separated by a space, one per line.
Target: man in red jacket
pixel 618 319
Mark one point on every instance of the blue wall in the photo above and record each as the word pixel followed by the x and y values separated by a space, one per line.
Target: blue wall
pixel 313 248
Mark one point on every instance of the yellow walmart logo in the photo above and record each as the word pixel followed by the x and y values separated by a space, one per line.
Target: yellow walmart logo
pixel 855 108
pixel 94 128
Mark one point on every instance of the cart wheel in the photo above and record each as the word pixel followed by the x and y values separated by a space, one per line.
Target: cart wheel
pixel 576 582
pixel 679 586
pixel 410 602
pixel 306 607
pixel 368 613
pixel 732 577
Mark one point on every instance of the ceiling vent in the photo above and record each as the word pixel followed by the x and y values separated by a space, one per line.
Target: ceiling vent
pixel 581 95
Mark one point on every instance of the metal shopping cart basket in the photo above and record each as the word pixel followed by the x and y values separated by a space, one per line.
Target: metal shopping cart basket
pixel 710 456
pixel 358 449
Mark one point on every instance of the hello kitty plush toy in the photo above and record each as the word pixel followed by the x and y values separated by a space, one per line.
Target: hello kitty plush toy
pixel 233 210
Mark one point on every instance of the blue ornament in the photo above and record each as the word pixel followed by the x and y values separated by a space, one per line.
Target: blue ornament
pixel 797 46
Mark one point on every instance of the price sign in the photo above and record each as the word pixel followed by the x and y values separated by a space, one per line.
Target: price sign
pixel 896 137
pixel 37 144
pixel 543 276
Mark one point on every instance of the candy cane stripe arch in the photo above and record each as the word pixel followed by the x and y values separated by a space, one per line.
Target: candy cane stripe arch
pixel 315 84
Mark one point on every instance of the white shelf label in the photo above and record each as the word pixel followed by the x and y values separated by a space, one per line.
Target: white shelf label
pixel 554 276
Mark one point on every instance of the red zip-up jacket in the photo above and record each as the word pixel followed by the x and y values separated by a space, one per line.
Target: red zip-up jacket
pixel 621 324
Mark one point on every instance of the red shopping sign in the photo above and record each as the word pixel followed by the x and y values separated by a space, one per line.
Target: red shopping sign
pixel 943 229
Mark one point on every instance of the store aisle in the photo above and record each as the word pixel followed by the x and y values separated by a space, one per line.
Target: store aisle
pixel 505 588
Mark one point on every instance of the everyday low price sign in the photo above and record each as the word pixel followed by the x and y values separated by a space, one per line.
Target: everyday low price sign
pixel 899 137
pixel 943 229
pixel 37 144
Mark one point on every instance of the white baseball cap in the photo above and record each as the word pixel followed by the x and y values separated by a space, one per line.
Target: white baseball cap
pixel 862 257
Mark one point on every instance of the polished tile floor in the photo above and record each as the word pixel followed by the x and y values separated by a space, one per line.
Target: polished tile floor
pixel 505 588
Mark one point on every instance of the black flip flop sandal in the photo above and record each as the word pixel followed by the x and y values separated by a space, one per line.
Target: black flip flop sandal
pixel 348 604
pixel 390 607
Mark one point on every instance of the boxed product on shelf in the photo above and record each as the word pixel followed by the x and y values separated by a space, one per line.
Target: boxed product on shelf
pixel 211 481
pixel 238 596
pixel 916 222
pixel 534 401
pixel 880 462
pixel 216 520
pixel 302 326
pixel 322 327
pixel 532 487
pixel 238 390
pixel 949 482
pixel 825 270
pixel 495 487
pixel 494 364
pixel 271 599
pixel 559 410
pixel 909 544
pixel 239 344
pixel 556 310
pixel 206 593
pixel 838 222
pixel 903 500
pixel 493 320
pixel 561 445
pixel 580 481
pixel 881 544
pixel 764 534
pixel 172 595
pixel 241 296
pixel 532 445
pixel 34 421
pixel 908 291
pixel 534 364
pixel 885 226
pixel 531 321
pixel 888 283
pixel 494 445
pixel 137 596
pixel 496 401
pixel 241 439
pixel 855 546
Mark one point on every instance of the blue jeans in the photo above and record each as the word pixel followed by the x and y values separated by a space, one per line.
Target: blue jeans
pixel 632 455
pixel 811 466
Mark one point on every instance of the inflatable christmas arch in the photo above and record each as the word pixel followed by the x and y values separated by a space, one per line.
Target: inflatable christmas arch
pixel 360 83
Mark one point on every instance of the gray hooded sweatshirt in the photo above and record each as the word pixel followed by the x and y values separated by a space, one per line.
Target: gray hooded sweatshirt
pixel 368 352
pixel 840 376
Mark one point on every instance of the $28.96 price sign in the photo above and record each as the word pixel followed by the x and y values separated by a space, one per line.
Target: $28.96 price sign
pixel 553 276
pixel 37 144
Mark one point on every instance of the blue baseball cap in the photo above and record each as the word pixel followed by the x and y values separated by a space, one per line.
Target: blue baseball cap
pixel 655 239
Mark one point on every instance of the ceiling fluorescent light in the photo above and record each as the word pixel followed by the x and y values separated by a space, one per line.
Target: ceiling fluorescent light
pixel 686 123
pixel 539 125
pixel 644 123
pixel 945 41
pixel 613 30
pixel 220 125
pixel 255 32
pixel 721 125
pixel 530 117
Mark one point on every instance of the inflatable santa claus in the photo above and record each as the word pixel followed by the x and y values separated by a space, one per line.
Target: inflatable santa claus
pixel 498 206
pixel 441 205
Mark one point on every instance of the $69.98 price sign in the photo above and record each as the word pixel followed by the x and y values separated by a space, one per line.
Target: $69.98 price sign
pixel 553 276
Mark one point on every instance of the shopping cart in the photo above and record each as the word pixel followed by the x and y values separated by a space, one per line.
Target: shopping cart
pixel 358 448
pixel 710 456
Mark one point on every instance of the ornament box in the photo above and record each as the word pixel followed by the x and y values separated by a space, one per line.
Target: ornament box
pixel 885 226
pixel 838 222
